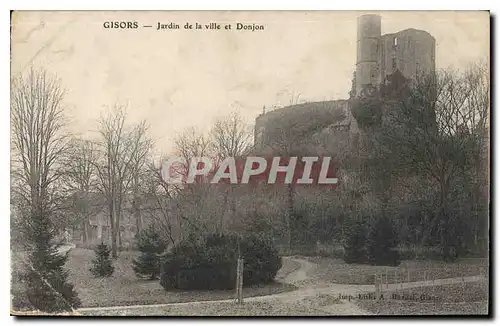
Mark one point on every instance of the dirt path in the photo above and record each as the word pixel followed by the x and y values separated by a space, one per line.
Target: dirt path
pixel 300 274
pixel 65 248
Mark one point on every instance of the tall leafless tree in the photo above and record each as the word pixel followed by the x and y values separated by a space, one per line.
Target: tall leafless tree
pixel 122 150
pixel 81 181
pixel 39 141
pixel 191 143
pixel 163 207
pixel 439 128
pixel 139 170
pixel 230 137
pixel 197 200
pixel 38 144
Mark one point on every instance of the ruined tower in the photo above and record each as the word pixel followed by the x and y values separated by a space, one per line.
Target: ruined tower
pixel 410 51
pixel 367 61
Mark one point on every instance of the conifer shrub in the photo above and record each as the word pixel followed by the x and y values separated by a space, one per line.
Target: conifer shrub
pixel 355 243
pixel 46 281
pixel 102 265
pixel 382 243
pixel 151 246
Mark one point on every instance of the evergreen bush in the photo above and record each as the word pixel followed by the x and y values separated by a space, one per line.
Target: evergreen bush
pixel 355 243
pixel 151 246
pixel 45 279
pixel 382 243
pixel 102 265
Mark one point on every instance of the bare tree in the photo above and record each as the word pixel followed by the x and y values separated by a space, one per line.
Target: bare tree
pixel 122 148
pixel 162 205
pixel 191 143
pixel 139 170
pixel 199 200
pixel 39 141
pixel 81 181
pixel 182 210
pixel 231 136
pixel 477 78
pixel 437 129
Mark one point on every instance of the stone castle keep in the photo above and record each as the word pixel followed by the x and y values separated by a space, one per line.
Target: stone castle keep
pixel 410 51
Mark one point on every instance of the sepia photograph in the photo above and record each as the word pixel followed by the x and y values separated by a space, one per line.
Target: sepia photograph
pixel 250 163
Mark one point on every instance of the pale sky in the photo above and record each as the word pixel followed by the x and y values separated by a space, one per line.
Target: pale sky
pixel 180 78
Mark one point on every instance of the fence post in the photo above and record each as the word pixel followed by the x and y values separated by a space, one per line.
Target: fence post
pixel 396 279
pixel 409 286
pixel 401 281
pixel 237 295
pixel 239 281
pixel 377 287
pixel 433 289
pixel 463 289
pixel 386 281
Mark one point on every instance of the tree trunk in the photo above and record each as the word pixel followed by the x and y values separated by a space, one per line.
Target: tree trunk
pixel 137 215
pixel 233 207
pixel 85 233
pixel 113 243
pixel 289 216
pixel 118 237
pixel 86 215
pixel 136 204
pixel 114 221
pixel 226 209
pixel 445 231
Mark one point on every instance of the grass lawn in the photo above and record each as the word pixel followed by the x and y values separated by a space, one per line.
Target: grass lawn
pixel 337 271
pixel 271 307
pixel 471 298
pixel 267 308
pixel 124 288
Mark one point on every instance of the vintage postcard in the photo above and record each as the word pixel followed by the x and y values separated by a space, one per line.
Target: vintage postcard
pixel 250 163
